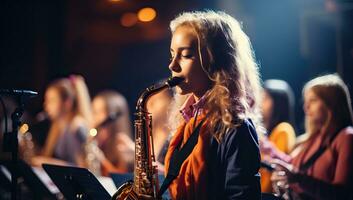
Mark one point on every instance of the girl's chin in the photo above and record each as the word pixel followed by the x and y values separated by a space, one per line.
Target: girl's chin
pixel 178 90
pixel 181 91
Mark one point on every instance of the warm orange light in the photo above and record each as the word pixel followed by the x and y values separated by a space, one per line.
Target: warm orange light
pixel 146 14
pixel 114 1
pixel 128 19
pixel 23 128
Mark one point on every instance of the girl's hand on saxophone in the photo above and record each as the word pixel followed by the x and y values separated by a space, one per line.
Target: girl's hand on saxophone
pixel 284 174
pixel 280 177
pixel 284 171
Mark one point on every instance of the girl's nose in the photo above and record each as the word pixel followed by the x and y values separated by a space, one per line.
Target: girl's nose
pixel 174 65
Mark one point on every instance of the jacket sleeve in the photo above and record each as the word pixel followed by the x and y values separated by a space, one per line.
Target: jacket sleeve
pixel 242 161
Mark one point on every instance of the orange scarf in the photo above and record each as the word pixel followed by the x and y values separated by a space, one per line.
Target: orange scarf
pixel 191 182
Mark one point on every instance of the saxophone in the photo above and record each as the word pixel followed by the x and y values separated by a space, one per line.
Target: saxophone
pixel 145 181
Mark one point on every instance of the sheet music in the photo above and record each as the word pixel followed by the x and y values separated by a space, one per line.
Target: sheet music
pixel 108 184
pixel 43 176
pixel 5 172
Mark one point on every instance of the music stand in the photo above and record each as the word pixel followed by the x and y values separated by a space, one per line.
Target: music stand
pixel 76 183
pixel 5 181
pixel 32 181
pixel 40 190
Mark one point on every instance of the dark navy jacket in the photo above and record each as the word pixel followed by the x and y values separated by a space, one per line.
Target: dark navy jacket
pixel 234 164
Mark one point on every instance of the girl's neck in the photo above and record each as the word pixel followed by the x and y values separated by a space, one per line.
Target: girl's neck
pixel 198 96
pixel 202 91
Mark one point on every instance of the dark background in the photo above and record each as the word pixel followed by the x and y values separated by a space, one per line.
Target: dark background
pixel 294 40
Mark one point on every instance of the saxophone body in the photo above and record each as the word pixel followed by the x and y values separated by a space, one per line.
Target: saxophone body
pixel 145 181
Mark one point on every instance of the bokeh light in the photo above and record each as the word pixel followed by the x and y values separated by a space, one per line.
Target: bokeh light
pixel 128 19
pixel 24 128
pixel 147 14
pixel 93 132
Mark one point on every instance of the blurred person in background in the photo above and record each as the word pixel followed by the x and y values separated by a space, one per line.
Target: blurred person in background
pixel 278 117
pixel 67 105
pixel 111 119
pixel 321 165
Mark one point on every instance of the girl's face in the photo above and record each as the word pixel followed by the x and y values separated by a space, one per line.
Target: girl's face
pixel 99 111
pixel 316 112
pixel 185 63
pixel 53 103
pixel 267 105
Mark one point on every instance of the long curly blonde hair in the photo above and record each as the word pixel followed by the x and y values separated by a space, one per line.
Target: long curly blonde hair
pixel 227 58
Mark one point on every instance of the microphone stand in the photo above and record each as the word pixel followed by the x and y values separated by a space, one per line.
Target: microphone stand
pixel 16 122
pixel 11 144
pixel 11 139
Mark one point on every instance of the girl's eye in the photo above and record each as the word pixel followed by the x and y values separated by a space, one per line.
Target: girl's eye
pixel 187 56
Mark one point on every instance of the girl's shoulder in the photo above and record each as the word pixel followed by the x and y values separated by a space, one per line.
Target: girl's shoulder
pixel 343 141
pixel 347 132
pixel 344 136
pixel 244 131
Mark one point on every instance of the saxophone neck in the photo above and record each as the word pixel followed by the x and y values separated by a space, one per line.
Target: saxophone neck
pixel 142 101
pixel 171 82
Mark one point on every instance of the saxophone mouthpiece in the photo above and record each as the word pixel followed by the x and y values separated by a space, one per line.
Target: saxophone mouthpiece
pixel 174 81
